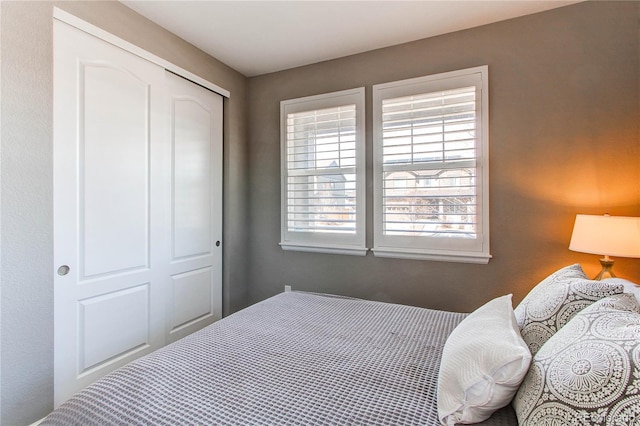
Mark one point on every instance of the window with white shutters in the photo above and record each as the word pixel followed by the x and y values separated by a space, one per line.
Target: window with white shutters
pixel 323 173
pixel 430 167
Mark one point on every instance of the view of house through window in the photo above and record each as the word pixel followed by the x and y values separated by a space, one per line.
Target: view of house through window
pixel 429 164
pixel 321 158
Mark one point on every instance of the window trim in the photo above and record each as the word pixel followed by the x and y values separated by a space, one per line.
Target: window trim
pixel 333 243
pixel 412 247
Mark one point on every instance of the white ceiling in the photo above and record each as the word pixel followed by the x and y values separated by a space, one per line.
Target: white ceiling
pixel 258 37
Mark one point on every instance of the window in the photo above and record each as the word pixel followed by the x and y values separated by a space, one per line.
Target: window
pixel 431 167
pixel 323 191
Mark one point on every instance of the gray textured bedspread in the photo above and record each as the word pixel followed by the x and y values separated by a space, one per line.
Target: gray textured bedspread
pixel 293 359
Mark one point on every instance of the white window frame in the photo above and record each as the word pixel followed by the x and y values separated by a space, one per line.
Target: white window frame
pixel 424 247
pixel 326 242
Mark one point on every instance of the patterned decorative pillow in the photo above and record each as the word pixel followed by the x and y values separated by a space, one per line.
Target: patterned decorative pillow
pixel 588 373
pixel 555 300
pixel 629 287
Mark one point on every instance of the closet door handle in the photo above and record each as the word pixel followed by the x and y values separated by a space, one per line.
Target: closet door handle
pixel 217 243
pixel 63 270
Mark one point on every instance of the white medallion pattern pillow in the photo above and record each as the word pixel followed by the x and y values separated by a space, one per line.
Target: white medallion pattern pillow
pixel 483 363
pixel 555 300
pixel 588 373
pixel 629 287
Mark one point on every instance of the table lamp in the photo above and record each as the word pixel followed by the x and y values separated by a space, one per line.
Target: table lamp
pixel 606 235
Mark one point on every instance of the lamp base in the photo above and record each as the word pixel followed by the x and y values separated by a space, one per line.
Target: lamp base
pixel 607 269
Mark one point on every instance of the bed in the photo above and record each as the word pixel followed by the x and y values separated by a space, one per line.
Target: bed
pixel 569 353
pixel 294 359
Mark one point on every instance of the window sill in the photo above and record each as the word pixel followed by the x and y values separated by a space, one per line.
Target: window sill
pixel 441 256
pixel 355 251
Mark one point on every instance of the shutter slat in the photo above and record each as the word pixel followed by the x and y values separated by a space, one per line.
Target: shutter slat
pixel 432 234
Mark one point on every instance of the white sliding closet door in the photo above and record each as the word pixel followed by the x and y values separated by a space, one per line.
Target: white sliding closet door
pixel 137 207
pixel 196 207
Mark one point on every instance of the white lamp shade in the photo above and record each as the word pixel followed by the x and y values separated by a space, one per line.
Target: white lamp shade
pixel 606 235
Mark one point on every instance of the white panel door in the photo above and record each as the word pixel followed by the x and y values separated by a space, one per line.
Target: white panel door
pixel 109 150
pixel 196 207
pixel 137 208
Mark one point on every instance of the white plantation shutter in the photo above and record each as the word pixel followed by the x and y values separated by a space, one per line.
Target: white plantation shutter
pixel 430 142
pixel 323 173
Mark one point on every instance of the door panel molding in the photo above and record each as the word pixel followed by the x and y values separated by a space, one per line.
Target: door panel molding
pixel 192 298
pixel 191 143
pixel 105 336
pixel 114 168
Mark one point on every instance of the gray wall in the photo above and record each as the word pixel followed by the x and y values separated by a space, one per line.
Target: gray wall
pixel 563 140
pixel 26 241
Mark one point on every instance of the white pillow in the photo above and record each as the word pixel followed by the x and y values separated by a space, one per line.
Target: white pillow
pixel 483 362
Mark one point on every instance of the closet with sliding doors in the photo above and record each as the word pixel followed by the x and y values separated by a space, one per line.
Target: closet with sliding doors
pixel 137 203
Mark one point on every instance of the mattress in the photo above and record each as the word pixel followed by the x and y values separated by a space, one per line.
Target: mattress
pixel 293 359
